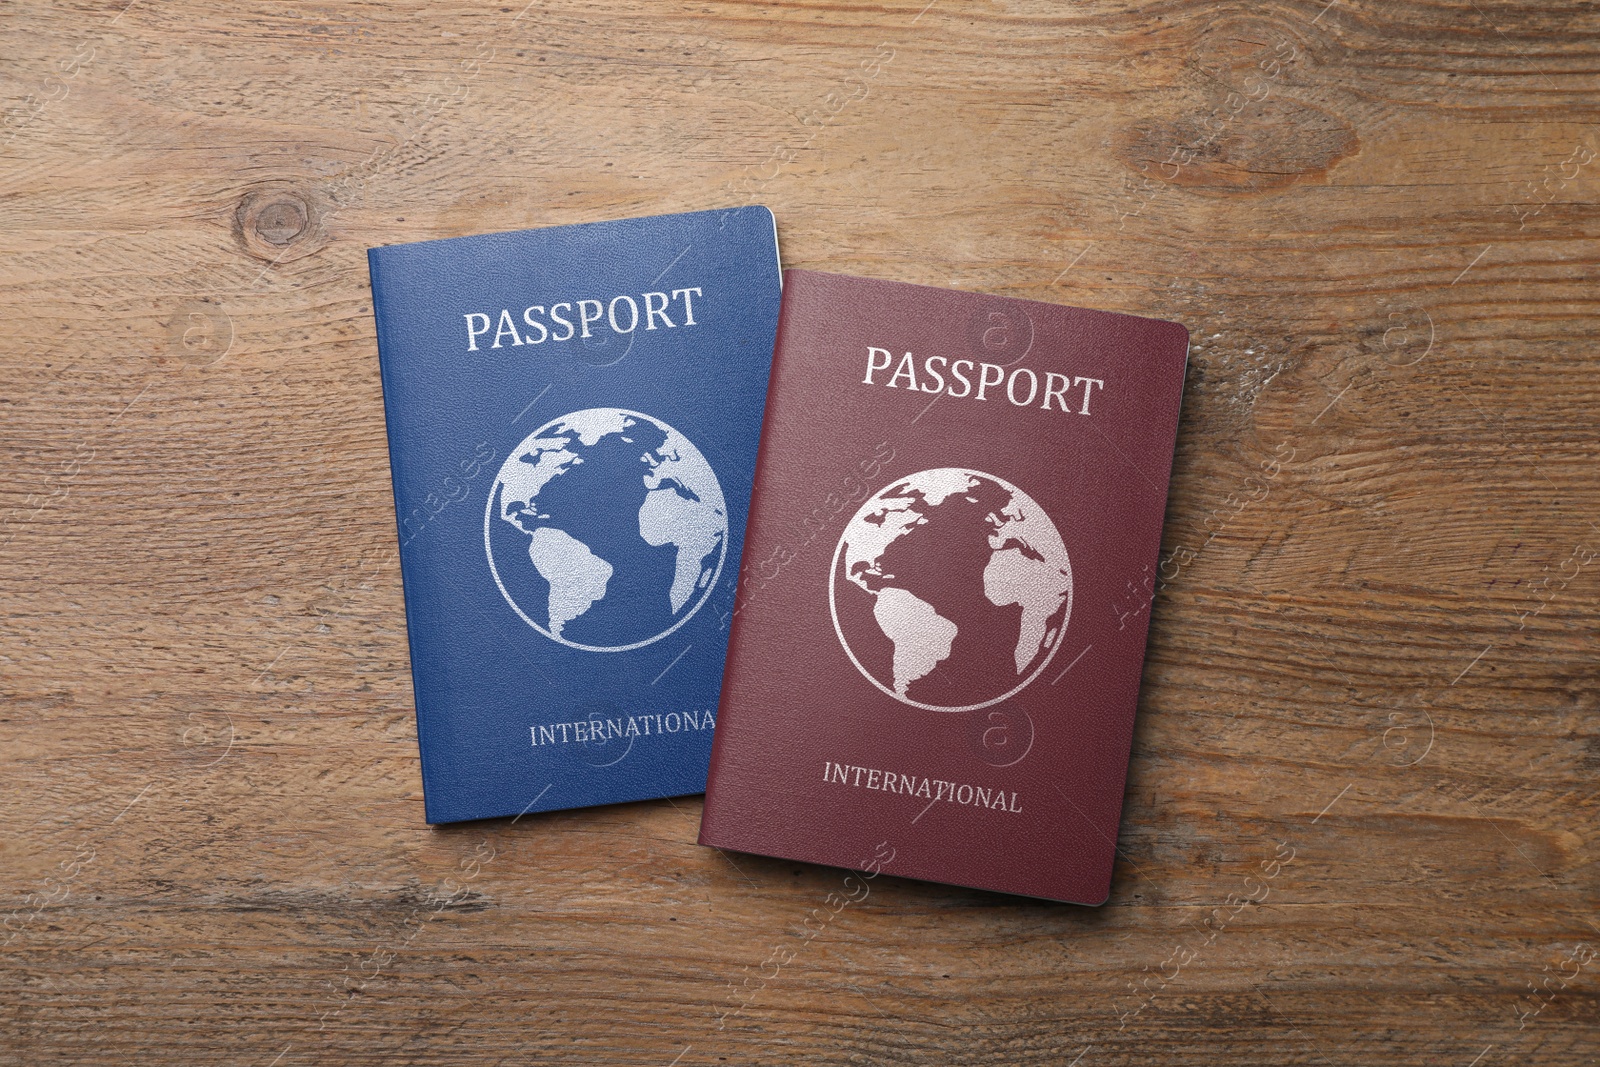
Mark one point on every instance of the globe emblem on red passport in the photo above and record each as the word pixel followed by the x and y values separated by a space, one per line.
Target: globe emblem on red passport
pixel 951 589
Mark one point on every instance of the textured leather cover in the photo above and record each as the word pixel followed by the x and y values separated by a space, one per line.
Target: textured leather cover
pixel 573 418
pixel 941 624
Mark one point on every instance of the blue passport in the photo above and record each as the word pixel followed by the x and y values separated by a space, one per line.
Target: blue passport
pixel 573 417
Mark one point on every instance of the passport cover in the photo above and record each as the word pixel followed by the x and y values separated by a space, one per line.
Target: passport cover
pixel 573 417
pixel 941 623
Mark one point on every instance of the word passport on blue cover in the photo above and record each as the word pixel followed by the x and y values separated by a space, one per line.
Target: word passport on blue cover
pixel 573 417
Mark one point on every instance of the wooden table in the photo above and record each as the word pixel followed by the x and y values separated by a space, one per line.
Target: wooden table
pixel 1366 751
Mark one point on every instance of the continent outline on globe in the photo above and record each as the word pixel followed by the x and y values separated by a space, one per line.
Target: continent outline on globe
pixel 928 579
pixel 596 557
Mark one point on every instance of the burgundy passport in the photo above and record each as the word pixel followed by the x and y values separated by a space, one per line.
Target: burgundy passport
pixel 940 628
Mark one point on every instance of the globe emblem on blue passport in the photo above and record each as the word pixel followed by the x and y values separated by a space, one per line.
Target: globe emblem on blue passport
pixel 606 529
pixel 951 589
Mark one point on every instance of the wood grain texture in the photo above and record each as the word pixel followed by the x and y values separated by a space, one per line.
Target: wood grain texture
pixel 1374 632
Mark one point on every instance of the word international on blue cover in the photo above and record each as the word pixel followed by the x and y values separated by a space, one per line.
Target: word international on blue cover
pixel 573 416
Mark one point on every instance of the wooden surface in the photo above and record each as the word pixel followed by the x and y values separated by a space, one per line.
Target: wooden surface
pixel 1360 825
